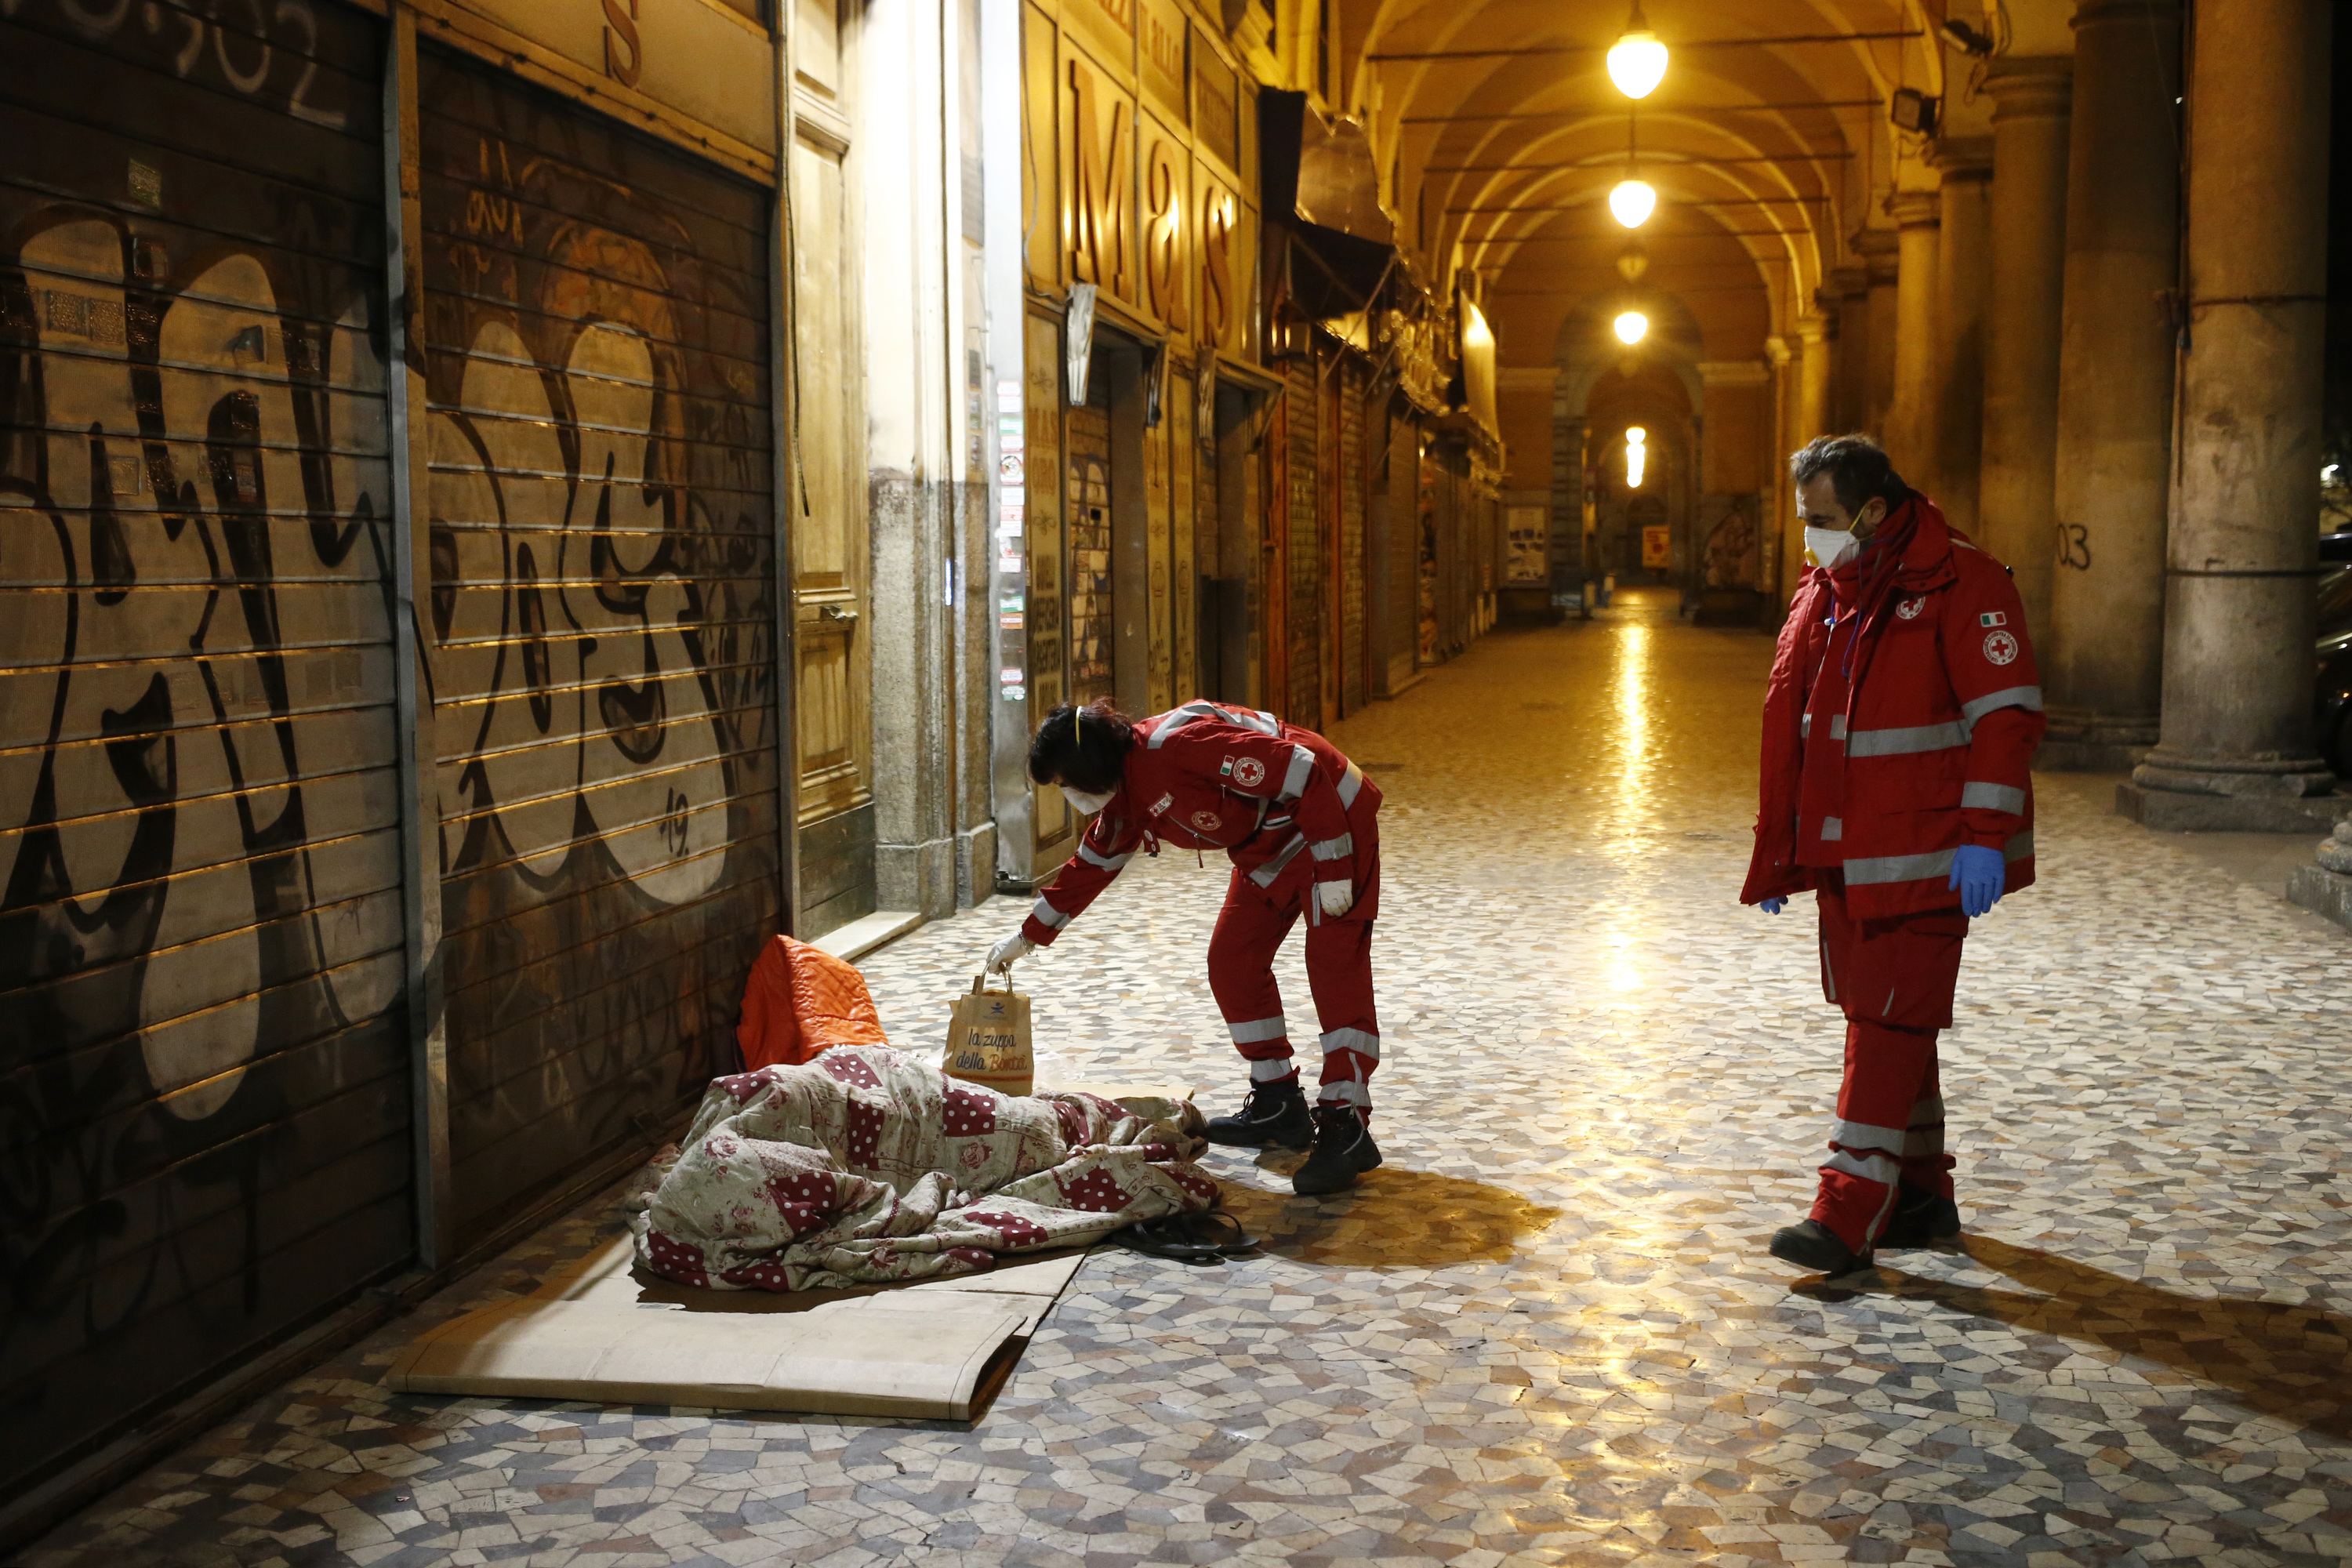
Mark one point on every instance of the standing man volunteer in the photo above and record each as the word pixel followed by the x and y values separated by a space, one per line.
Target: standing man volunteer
pixel 1300 823
pixel 1899 728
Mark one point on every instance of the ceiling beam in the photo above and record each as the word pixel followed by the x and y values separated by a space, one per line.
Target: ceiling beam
pixel 1655 108
pixel 1609 160
pixel 1678 200
pixel 1532 51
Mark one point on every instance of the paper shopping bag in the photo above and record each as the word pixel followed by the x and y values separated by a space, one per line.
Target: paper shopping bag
pixel 988 1040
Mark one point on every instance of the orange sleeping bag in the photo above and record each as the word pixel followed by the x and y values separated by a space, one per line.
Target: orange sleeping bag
pixel 800 1000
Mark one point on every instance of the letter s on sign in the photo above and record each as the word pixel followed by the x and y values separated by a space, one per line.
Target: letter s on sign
pixel 625 23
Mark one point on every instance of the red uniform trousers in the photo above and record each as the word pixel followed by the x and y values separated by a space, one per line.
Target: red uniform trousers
pixel 1895 979
pixel 1251 929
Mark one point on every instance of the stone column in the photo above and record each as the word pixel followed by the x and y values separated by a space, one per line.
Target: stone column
pixel 1782 514
pixel 1963 286
pixel 2235 748
pixel 1910 434
pixel 2102 665
pixel 1814 377
pixel 1878 249
pixel 2017 502
pixel 1845 296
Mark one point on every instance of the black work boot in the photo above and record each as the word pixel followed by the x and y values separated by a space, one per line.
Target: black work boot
pixel 1921 1219
pixel 1344 1150
pixel 1273 1117
pixel 1810 1244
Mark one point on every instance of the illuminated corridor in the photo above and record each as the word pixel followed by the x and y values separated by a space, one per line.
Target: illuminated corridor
pixel 1546 1332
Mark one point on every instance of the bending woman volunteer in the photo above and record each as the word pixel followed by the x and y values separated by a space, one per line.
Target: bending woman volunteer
pixel 1299 821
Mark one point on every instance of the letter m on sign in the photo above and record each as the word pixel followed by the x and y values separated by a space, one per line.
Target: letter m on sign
pixel 1102 177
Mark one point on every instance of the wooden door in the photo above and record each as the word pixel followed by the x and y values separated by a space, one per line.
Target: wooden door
pixel 832 620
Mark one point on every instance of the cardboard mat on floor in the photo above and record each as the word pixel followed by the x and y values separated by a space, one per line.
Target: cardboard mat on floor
pixel 602 1332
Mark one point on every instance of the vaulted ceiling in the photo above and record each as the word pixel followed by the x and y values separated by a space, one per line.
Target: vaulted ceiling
pixel 1499 135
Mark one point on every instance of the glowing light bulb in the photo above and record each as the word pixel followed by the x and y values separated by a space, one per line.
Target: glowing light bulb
pixel 1631 328
pixel 1636 456
pixel 1638 62
pixel 1633 202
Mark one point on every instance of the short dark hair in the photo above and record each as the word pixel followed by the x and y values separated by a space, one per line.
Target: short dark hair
pixel 1085 746
pixel 1858 468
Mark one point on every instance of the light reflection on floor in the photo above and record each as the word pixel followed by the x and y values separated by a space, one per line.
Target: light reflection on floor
pixel 1544 1332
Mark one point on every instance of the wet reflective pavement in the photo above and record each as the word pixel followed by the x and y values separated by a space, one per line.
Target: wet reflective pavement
pixel 1546 1332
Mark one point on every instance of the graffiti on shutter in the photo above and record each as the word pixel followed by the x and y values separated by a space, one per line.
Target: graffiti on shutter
pixel 603 622
pixel 205 1057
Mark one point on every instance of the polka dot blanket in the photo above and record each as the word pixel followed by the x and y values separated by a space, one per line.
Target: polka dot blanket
pixel 868 1167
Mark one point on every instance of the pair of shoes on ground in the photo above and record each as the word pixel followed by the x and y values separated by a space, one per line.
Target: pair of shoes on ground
pixel 1204 1237
pixel 1920 1219
pixel 1277 1117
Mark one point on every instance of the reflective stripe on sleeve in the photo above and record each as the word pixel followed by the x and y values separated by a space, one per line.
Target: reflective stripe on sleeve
pixel 1994 797
pixel 1257 1031
pixel 1351 785
pixel 1338 849
pixel 1265 875
pixel 1804 726
pixel 1176 720
pixel 1860 1136
pixel 1046 915
pixel 1302 768
pixel 1837 726
pixel 1363 1042
pixel 2020 847
pixel 1903 742
pixel 1833 830
pixel 1265 722
pixel 1104 862
pixel 2026 697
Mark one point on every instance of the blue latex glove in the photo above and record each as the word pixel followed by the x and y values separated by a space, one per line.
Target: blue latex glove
pixel 1773 906
pixel 1980 874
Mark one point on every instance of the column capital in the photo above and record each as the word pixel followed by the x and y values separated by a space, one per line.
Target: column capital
pixel 1775 348
pixel 1844 283
pixel 1812 329
pixel 2097 13
pixel 1915 209
pixel 1733 372
pixel 2031 87
pixel 1961 158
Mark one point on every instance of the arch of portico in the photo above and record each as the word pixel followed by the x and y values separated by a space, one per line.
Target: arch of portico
pixel 2006 302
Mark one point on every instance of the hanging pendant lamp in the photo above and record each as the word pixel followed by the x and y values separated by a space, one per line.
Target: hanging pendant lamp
pixel 1637 61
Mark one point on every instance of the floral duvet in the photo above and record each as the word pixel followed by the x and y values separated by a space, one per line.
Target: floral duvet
pixel 868 1167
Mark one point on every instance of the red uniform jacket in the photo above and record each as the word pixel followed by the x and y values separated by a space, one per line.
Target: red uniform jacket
pixel 1208 776
pixel 1933 748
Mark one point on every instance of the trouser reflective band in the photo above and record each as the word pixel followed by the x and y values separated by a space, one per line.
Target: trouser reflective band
pixel 1890 1077
pixel 1339 969
pixel 1283 1068
pixel 1257 1031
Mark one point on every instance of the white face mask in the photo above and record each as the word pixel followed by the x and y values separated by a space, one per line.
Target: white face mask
pixel 1829 547
pixel 1088 803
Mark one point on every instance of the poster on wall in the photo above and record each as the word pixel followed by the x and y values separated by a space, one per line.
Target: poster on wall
pixel 1657 550
pixel 1527 541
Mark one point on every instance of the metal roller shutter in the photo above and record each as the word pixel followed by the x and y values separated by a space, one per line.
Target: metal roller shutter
pixel 1351 536
pixel 1304 621
pixel 204 1061
pixel 604 614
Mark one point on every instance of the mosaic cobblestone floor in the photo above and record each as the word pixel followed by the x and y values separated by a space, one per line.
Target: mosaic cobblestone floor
pixel 1546 1332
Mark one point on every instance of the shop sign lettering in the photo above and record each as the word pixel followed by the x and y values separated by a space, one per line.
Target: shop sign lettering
pixel 620 35
pixel 1101 188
